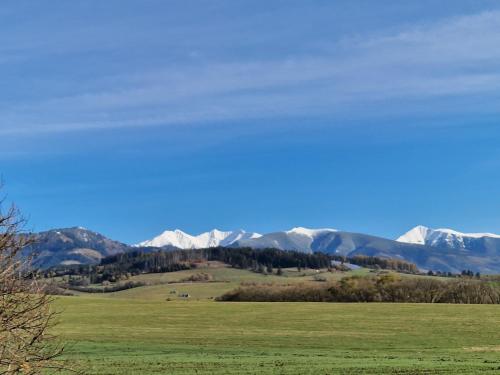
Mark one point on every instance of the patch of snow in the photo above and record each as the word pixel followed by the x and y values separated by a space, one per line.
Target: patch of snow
pixel 310 232
pixel 470 235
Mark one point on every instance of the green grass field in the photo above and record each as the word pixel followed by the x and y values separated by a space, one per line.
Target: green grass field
pixel 138 332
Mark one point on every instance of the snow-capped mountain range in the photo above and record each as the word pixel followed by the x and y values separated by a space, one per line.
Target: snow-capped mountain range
pixel 448 238
pixel 309 240
pixel 436 249
pixel 182 240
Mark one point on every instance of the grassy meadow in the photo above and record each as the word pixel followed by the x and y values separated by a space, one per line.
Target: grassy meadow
pixel 138 331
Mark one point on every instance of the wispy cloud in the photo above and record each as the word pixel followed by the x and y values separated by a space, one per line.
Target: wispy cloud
pixel 453 58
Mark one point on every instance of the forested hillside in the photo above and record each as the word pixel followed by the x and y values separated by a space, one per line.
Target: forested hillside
pixel 266 260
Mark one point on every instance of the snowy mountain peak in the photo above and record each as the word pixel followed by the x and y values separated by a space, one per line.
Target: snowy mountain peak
pixel 177 232
pixel 182 240
pixel 216 232
pixel 176 238
pixel 445 238
pixel 417 235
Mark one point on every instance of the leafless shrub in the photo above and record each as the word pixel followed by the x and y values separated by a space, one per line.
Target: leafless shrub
pixel 26 345
pixel 199 277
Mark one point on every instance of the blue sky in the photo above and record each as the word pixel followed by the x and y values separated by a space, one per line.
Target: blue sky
pixel 132 117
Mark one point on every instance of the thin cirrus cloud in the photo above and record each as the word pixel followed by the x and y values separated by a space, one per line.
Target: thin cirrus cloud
pixel 455 57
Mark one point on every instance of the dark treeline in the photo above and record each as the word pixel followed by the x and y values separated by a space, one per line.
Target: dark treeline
pixel 247 258
pixel 382 263
pixel 464 273
pixel 121 266
pixel 384 288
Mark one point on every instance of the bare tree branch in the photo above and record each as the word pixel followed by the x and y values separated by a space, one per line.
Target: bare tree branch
pixel 26 317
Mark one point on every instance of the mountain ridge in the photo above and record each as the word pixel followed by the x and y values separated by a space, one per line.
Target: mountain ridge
pixel 75 245
pixel 425 235
pixel 183 240
pixel 450 254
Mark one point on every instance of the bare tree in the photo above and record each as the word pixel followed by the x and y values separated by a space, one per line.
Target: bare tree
pixel 26 346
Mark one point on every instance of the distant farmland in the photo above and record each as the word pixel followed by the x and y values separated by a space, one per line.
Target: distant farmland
pixel 138 332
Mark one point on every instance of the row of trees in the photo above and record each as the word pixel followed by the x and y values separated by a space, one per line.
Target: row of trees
pixel 382 263
pixel 384 288
pixel 464 273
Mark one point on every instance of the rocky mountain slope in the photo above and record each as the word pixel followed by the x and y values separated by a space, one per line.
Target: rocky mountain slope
pixel 72 246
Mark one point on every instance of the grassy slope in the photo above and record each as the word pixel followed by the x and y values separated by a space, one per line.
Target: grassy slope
pixel 224 280
pixel 138 332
